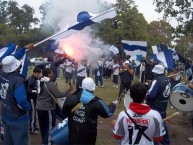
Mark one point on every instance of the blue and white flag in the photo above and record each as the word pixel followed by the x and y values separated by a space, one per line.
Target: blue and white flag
pixel 7 50
pixel 137 59
pixel 85 19
pixel 159 47
pixel 114 49
pixel 134 48
pixel 174 54
pixel 165 57
pixel 52 45
pixel 162 47
pixel 24 64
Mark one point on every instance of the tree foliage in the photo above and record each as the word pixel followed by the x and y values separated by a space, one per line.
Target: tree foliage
pixel 179 9
pixel 129 24
pixel 17 25
pixel 160 32
pixel 21 19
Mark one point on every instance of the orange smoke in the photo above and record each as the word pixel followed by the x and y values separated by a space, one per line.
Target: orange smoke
pixel 68 50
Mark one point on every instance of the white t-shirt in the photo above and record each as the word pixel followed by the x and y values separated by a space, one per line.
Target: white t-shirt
pixel 115 69
pixel 150 122
pixel 69 67
pixel 81 71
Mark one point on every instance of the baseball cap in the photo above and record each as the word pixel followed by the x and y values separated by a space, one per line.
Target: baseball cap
pixel 158 69
pixel 88 84
pixel 10 64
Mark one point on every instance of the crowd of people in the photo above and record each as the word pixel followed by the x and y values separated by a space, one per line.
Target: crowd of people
pixel 141 123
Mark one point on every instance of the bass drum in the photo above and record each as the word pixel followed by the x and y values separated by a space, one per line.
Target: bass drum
pixel 127 100
pixel 182 97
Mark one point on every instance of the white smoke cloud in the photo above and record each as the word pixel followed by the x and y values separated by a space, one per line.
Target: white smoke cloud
pixel 65 12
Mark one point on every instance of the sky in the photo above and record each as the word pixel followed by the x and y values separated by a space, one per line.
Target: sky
pixel 145 7
pixel 65 13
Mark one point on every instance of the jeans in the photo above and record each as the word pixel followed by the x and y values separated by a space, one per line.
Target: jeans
pixel 16 132
pixel 98 78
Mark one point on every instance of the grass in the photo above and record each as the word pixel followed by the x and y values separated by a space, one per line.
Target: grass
pixel 108 94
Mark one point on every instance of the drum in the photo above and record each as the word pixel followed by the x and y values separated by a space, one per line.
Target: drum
pixel 127 100
pixel 182 97
pixel 60 133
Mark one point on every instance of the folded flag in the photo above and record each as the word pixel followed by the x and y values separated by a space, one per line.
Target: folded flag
pixel 85 19
pixel 165 57
pixel 134 48
pixel 114 49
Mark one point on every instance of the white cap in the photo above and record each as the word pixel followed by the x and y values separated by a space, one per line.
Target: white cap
pixel 126 62
pixel 88 84
pixel 10 64
pixel 158 69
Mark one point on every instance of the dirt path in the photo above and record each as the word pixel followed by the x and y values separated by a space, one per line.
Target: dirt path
pixel 180 129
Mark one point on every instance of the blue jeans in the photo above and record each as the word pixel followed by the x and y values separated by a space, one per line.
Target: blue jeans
pixel 16 132
pixel 98 78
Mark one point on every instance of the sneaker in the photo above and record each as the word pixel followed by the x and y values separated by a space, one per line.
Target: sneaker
pixel 114 86
pixel 97 86
pixel 190 139
pixel 37 128
pixel 102 87
pixel 35 132
pixel 117 87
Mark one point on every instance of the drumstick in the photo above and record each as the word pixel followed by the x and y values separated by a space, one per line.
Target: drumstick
pixel 174 74
pixel 121 96
pixel 174 114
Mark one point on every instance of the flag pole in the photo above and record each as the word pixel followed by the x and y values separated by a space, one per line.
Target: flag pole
pixel 48 38
pixel 96 17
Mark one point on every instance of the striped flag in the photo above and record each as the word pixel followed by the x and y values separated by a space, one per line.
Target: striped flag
pixel 85 19
pixel 7 50
pixel 159 47
pixel 114 49
pixel 165 57
pixel 134 48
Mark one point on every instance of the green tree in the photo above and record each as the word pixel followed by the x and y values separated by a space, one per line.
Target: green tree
pixel 21 19
pixel 129 24
pixel 160 32
pixel 7 35
pixel 179 9
pixel 3 12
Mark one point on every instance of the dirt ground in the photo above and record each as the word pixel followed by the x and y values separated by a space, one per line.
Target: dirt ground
pixel 180 129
